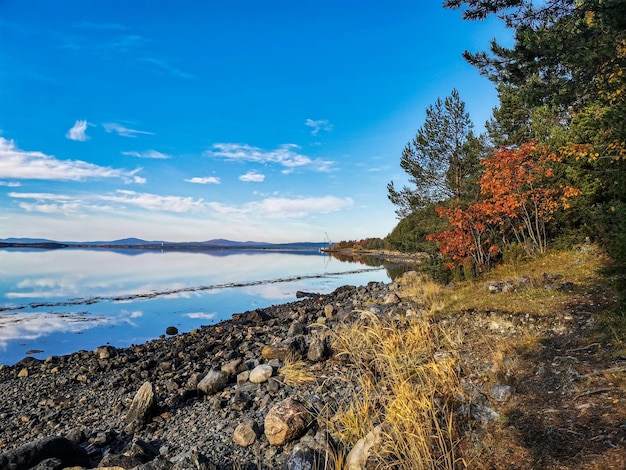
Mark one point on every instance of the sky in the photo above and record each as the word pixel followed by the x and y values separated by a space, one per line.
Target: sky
pixel 276 121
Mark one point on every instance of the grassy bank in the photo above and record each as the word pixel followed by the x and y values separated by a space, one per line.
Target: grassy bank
pixel 550 340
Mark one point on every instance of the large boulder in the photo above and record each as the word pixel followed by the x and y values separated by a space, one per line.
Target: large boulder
pixel 286 421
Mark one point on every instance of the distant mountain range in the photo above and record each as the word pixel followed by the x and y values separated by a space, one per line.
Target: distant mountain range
pixel 137 243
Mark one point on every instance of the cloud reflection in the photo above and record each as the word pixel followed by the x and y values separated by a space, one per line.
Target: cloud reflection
pixel 200 315
pixel 24 326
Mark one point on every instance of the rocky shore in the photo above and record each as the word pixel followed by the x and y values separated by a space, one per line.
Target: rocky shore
pixel 535 390
pixel 210 398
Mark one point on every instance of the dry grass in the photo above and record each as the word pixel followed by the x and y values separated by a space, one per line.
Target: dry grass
pixel 426 294
pixel 296 372
pixel 533 299
pixel 406 375
pixel 406 381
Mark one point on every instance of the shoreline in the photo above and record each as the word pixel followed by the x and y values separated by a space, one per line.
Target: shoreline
pixel 87 395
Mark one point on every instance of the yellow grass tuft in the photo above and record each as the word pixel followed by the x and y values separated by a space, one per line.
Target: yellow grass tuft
pixel 407 381
pixel 296 372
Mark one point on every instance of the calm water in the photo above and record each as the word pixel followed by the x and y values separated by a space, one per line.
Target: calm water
pixel 60 301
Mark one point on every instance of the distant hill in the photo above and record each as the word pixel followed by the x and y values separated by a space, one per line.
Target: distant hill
pixel 137 243
pixel 27 240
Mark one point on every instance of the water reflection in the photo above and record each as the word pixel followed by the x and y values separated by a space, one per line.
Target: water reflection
pixel 64 300
pixel 394 270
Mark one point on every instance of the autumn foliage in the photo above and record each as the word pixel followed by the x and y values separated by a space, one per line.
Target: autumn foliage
pixel 518 201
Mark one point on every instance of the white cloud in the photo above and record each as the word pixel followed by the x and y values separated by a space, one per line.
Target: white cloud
pixel 204 180
pixel 48 203
pixel 139 179
pixel 78 131
pixel 319 125
pixel 285 208
pixel 65 204
pixel 21 164
pixel 252 176
pixel 154 202
pixel 285 155
pixel 10 184
pixel 124 131
pixel 153 154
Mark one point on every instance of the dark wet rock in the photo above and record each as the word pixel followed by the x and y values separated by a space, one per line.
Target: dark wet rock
pixel 29 455
pixel 105 352
pixel 304 457
pixel 171 330
pixel 300 294
pixel 253 316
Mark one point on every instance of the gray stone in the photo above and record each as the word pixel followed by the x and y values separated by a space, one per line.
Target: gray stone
pixel 502 392
pixel 141 408
pixel 234 367
pixel 215 381
pixel 303 457
pixel 296 329
pixel 261 373
pixel 317 349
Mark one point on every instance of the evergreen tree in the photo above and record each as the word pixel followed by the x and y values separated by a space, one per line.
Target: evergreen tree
pixel 441 160
pixel 568 68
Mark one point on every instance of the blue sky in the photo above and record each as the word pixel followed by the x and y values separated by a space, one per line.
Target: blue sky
pixel 187 121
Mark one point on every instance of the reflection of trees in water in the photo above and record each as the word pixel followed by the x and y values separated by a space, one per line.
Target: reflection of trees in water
pixel 394 270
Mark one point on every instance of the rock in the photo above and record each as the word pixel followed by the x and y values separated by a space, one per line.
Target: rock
pixel 215 381
pixel 193 460
pixel 303 457
pixel 142 406
pixel 392 299
pixel 317 349
pixel 29 455
pixel 171 330
pixel 290 348
pixel 494 287
pixel 105 352
pixel 234 367
pixel 261 373
pixel 243 377
pixel 253 316
pixel 246 433
pixel 286 421
pixel 296 329
pixel 119 461
pixel 329 311
pixel 23 373
pixel 300 294
pixel 502 392
pixel 357 457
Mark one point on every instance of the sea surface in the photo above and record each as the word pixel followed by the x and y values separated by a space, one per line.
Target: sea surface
pixel 54 302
